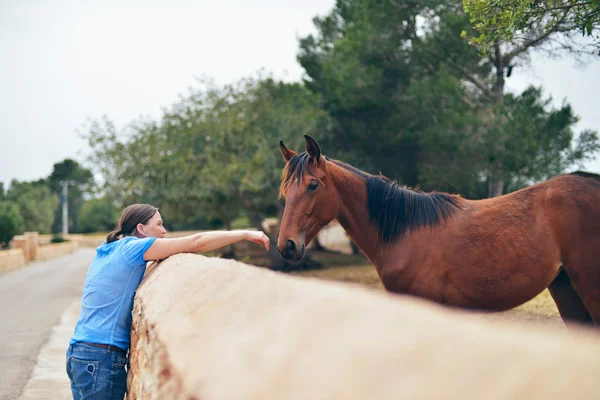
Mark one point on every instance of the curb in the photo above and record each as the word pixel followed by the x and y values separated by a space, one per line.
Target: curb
pixel 49 379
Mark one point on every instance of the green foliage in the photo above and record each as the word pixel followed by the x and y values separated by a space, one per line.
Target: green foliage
pixel 360 63
pixel 542 143
pixel 153 162
pixel 10 221
pixel 98 215
pixel 37 204
pixel 240 223
pixel 507 20
pixel 243 163
pixel 446 128
pixel 213 156
pixel 80 181
pixel 422 105
pixel 58 239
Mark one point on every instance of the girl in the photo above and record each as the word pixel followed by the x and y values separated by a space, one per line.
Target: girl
pixel 97 352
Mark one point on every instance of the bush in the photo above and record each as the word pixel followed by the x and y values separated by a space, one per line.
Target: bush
pixel 58 239
pixel 97 215
pixel 10 221
pixel 240 223
pixel 36 205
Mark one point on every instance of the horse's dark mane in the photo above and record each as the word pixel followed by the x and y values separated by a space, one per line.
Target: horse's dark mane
pixel 394 209
pixel 586 174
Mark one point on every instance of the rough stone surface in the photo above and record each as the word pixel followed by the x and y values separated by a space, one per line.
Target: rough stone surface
pixel 18 257
pixel 50 251
pixel 217 329
pixel 11 259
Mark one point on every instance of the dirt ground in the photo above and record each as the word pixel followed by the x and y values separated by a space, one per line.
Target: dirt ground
pixel 540 311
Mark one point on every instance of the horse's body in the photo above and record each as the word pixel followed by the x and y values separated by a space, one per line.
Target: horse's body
pixel 492 254
pixel 501 252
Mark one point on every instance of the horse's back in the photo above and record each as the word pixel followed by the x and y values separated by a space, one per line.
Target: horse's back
pixel 586 174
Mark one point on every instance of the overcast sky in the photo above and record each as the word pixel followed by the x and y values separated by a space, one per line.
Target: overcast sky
pixel 63 62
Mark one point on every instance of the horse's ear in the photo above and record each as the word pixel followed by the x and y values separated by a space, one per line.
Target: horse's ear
pixel 285 152
pixel 313 149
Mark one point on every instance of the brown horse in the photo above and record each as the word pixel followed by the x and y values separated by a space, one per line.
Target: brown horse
pixel 492 254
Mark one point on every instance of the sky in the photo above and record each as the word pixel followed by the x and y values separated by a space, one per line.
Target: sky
pixel 65 61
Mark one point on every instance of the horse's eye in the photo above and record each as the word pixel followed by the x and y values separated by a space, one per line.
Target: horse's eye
pixel 313 186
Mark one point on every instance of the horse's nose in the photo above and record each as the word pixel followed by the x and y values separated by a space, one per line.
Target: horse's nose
pixel 291 252
pixel 290 247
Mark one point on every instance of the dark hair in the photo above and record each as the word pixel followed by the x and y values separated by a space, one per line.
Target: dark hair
pixel 396 210
pixel 132 216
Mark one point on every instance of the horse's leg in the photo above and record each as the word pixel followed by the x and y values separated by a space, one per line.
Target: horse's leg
pixel 583 268
pixel 567 300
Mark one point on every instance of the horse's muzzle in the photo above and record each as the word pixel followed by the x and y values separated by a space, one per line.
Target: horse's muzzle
pixel 291 252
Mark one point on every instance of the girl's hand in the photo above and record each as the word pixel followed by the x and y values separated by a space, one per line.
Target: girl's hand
pixel 260 238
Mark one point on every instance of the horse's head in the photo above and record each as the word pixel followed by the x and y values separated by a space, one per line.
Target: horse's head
pixel 311 201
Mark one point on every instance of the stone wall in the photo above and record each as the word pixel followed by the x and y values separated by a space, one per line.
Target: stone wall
pixel 217 329
pixel 32 247
pixel 54 250
pixel 11 259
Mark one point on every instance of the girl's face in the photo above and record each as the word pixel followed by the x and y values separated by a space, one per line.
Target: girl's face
pixel 153 228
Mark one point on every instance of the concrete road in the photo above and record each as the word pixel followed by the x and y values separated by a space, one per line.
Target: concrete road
pixel 32 300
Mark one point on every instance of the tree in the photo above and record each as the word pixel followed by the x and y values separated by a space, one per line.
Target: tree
pixel 157 162
pixel 82 179
pixel 377 72
pixel 360 64
pixel 445 126
pixel 505 21
pixel 242 158
pixel 513 138
pixel 36 204
pixel 214 155
pixel 376 68
pixel 544 144
pixel 542 26
pixel 10 221
pixel 98 215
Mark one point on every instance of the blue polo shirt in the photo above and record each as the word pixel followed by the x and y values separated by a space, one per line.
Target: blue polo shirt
pixel 108 292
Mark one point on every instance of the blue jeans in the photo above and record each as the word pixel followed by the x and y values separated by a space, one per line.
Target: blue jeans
pixel 96 373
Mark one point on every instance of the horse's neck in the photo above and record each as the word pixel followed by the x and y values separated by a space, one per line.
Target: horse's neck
pixel 353 213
